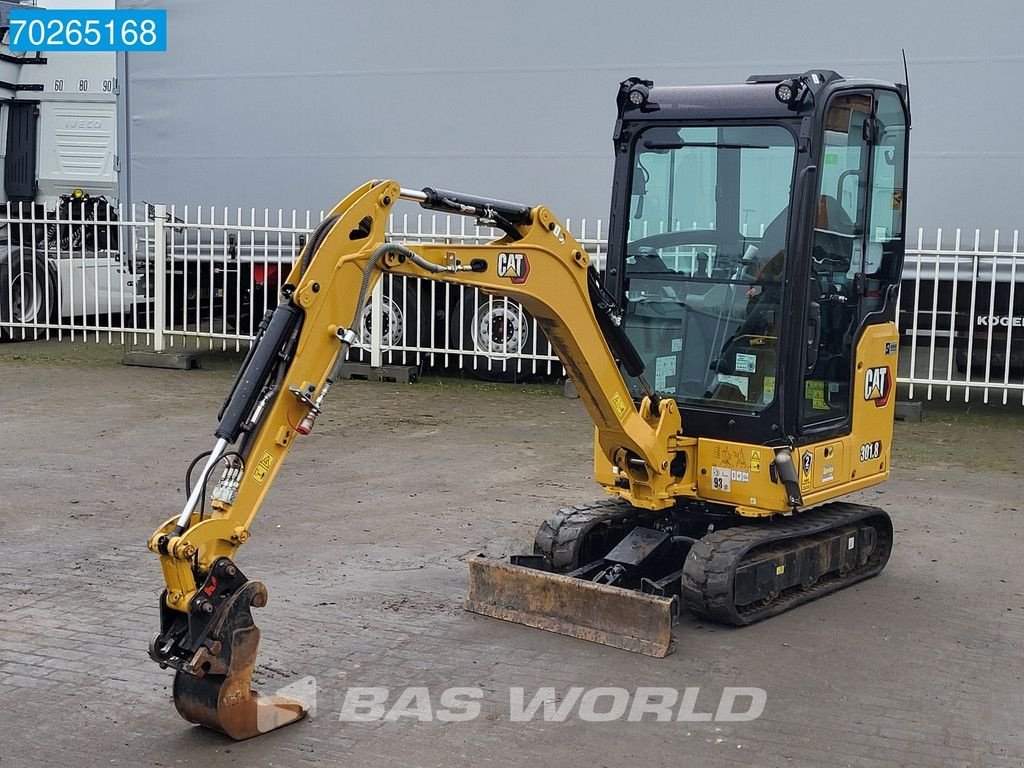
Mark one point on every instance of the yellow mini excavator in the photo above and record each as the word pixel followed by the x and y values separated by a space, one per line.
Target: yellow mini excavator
pixel 738 359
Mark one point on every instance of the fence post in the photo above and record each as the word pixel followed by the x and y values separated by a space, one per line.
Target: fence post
pixel 159 276
pixel 376 321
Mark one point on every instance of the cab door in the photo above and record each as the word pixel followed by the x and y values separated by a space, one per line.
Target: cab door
pixel 856 248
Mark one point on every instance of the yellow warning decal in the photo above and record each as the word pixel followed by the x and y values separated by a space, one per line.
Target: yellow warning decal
pixel 619 404
pixel 260 473
pixel 755 460
pixel 814 390
pixel 779 570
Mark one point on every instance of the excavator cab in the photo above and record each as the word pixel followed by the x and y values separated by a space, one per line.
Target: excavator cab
pixel 755 250
pixel 753 238
pixel 737 357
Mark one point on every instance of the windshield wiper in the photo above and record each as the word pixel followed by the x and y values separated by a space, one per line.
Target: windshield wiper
pixel 681 143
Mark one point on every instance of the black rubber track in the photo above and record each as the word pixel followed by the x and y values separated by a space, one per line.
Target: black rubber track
pixel 562 535
pixel 710 568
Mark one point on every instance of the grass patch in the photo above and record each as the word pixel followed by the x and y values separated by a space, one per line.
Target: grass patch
pixel 972 436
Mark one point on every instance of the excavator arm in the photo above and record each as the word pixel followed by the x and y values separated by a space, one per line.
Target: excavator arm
pixel 207 633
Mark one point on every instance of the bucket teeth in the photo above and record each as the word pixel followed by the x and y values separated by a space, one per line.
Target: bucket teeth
pixel 217 693
pixel 621 618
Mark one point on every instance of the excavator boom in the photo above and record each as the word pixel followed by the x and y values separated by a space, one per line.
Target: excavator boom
pixel 207 633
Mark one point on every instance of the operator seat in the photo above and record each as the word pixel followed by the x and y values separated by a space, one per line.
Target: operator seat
pixel 773 241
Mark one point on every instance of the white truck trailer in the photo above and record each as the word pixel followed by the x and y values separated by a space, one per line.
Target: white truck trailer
pixel 58 134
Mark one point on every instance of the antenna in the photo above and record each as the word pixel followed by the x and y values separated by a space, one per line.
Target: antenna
pixel 906 79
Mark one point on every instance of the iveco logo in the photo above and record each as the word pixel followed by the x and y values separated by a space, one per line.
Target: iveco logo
pixel 88 123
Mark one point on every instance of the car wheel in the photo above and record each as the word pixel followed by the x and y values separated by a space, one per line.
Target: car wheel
pixel 494 331
pixel 960 360
pixel 252 304
pixel 188 304
pixel 28 295
pixel 405 321
pixel 24 233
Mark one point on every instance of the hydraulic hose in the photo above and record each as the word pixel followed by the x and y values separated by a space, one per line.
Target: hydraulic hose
pixel 380 251
pixel 315 241
pixel 364 289
pixel 349 336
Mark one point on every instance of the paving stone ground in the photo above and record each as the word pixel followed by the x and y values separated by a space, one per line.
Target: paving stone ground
pixel 363 542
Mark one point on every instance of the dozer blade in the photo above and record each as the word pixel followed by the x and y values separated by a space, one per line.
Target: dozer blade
pixel 218 695
pixel 621 618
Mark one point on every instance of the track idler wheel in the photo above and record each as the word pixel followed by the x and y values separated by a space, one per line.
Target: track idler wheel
pixel 219 694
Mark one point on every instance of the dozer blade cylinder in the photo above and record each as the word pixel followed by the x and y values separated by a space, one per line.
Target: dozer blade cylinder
pixel 600 613
pixel 219 694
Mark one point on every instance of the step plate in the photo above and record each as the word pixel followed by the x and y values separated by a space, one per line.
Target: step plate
pixel 620 618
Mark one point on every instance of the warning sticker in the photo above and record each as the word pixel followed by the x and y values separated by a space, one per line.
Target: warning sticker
pixel 828 473
pixel 677 345
pixel 814 390
pixel 260 473
pixel 619 404
pixel 741 383
pixel 769 388
pixel 745 363
pixel 729 455
pixel 755 460
pixel 740 475
pixel 664 368
pixel 721 479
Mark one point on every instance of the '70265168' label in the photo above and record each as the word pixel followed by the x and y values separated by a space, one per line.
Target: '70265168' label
pixel 84 29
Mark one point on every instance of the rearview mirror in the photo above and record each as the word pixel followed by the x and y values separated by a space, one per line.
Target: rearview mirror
pixel 639 181
pixel 640 176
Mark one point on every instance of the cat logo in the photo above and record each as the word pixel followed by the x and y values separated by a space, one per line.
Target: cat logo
pixel 514 266
pixel 878 385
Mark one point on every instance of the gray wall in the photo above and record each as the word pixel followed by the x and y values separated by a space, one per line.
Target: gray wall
pixel 260 103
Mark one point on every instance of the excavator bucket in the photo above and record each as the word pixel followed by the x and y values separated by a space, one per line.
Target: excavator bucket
pixel 621 618
pixel 219 694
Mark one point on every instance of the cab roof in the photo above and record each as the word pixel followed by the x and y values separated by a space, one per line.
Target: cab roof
pixel 712 101
pixel 753 99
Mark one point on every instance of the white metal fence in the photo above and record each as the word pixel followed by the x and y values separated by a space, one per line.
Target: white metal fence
pixel 186 277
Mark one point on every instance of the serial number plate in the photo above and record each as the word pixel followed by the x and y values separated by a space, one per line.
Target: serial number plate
pixel 42 29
